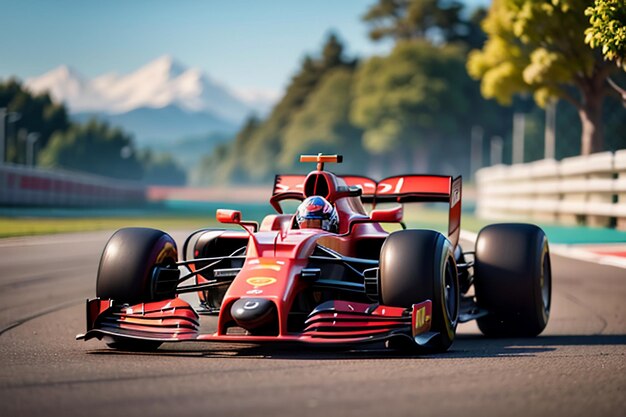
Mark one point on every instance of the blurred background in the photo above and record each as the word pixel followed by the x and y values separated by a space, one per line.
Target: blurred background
pixel 153 103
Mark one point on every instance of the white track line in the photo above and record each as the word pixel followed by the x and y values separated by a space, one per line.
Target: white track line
pixel 571 251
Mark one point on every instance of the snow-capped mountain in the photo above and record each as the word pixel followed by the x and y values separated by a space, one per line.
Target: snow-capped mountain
pixel 161 83
pixel 69 86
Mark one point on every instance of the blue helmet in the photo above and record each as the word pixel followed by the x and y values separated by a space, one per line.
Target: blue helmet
pixel 317 213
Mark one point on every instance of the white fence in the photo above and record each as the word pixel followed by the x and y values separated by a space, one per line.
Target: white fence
pixel 589 190
pixel 26 186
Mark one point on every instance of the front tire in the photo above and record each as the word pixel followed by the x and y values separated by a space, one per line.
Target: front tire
pixel 125 273
pixel 418 265
pixel 513 280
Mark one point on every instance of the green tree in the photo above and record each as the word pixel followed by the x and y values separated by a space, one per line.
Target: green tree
pixel 37 114
pixel 415 100
pixel 332 53
pixel 266 142
pixel 537 47
pixel 608 31
pixel 226 163
pixel 212 167
pixel 95 148
pixel 161 169
pixel 419 19
pixel 323 124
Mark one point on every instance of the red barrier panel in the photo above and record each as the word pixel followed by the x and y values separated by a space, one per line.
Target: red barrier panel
pixel 27 186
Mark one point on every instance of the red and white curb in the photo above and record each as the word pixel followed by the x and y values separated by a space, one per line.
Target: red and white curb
pixel 603 254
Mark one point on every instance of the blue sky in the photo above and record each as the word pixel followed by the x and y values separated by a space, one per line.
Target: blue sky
pixel 245 44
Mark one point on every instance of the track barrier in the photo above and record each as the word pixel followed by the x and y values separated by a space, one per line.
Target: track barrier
pixel 28 186
pixel 584 190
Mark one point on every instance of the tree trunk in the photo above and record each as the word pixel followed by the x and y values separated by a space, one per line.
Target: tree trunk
pixel 592 139
pixel 590 110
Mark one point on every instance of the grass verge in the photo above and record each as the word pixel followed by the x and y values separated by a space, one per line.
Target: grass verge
pixel 28 226
pixel 415 217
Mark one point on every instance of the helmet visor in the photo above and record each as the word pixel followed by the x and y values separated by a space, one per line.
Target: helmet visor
pixel 311 223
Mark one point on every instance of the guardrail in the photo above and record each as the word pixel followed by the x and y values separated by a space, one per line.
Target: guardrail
pixel 27 186
pixel 588 190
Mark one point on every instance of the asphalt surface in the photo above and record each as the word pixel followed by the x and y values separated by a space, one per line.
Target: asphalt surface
pixel 576 368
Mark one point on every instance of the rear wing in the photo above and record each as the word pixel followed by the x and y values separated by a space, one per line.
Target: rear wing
pixel 400 189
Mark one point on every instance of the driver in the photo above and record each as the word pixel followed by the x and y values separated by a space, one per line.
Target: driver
pixel 317 213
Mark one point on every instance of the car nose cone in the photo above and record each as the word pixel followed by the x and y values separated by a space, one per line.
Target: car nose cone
pixel 252 313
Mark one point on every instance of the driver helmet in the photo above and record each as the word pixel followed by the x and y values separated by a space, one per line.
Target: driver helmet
pixel 317 213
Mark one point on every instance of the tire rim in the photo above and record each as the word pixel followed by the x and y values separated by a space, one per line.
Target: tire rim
pixel 450 291
pixel 545 282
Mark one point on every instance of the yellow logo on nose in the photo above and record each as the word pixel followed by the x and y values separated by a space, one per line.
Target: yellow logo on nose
pixel 273 267
pixel 260 281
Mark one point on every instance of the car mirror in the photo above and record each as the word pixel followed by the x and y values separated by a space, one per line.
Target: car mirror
pixel 234 217
pixel 228 216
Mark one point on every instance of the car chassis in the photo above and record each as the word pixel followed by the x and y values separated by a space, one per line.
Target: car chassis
pixel 278 283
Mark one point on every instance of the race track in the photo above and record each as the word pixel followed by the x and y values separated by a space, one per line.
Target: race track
pixel 576 368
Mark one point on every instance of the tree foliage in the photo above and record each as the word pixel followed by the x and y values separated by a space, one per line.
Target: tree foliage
pixel 161 169
pixel 94 147
pixel 414 105
pixel 269 139
pixel 440 20
pixel 38 114
pixel 323 125
pixel 608 29
pixel 253 155
pixel 413 99
pixel 226 163
pixel 538 48
pixel 266 141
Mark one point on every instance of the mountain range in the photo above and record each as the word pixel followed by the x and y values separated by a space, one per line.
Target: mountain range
pixel 161 102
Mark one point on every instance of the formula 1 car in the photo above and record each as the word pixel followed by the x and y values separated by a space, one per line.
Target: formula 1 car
pixel 357 284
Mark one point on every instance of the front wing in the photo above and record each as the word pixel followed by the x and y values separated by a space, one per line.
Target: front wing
pixel 332 322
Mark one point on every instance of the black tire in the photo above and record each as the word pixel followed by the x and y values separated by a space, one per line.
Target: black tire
pixel 464 278
pixel 416 265
pixel 128 261
pixel 513 280
pixel 126 269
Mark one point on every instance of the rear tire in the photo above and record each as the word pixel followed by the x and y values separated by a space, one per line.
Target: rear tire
pixel 513 280
pixel 418 265
pixel 126 269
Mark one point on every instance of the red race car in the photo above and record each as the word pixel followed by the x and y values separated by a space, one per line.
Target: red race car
pixel 327 275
